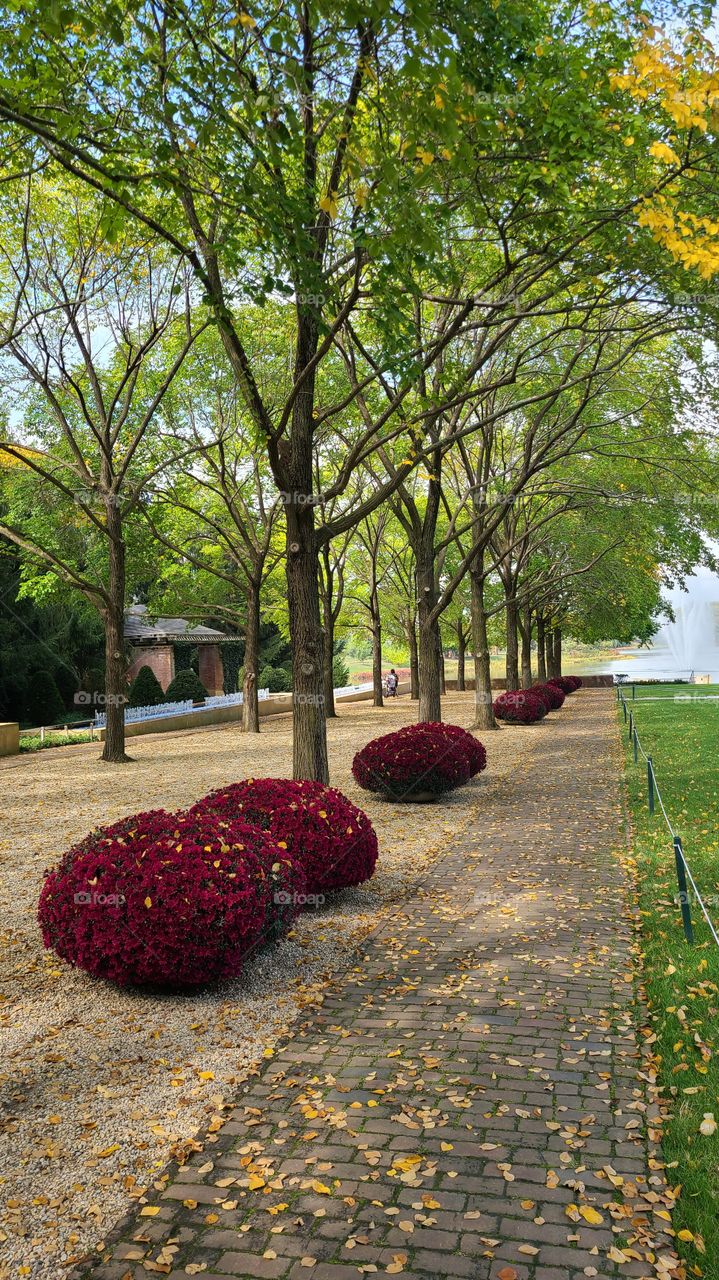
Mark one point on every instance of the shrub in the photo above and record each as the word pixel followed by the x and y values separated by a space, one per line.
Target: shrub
pixel 567 684
pixel 550 694
pixel 186 684
pixel 170 899
pixel 521 706
pixel 424 757
pixel 145 690
pixel 334 840
pixel 276 679
pixel 43 703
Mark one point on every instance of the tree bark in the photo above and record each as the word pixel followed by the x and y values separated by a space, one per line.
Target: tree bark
pixel 442 670
pixel 461 656
pixel 430 696
pixel 309 747
pixel 113 750
pixel 483 712
pixel 541 650
pixel 558 649
pixel 329 653
pixel 413 661
pixel 251 706
pixel 525 630
pixel 376 623
pixel 512 665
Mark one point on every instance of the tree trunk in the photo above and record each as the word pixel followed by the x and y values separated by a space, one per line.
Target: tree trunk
pixel 413 661
pixel 442 670
pixel 309 746
pixel 461 654
pixel 329 653
pixel 251 706
pixel 483 713
pixel 430 696
pixel 512 666
pixel 554 652
pixel 541 650
pixel 376 648
pixel 525 631
pixel 113 750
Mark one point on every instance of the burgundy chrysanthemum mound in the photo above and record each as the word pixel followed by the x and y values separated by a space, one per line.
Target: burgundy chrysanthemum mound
pixel 520 706
pixel 422 757
pixel 334 840
pixel 170 899
pixel 551 694
pixel 568 684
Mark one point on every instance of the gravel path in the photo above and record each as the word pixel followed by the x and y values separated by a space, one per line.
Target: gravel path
pixel 99 1087
pixel 470 1101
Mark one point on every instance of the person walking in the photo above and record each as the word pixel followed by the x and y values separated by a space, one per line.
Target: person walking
pixel 392 682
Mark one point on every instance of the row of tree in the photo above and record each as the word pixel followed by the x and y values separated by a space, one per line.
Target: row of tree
pixel 346 295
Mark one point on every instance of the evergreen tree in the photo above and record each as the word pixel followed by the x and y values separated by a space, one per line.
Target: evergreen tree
pixel 146 690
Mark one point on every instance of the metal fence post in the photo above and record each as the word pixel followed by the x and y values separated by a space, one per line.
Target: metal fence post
pixel 634 692
pixel 650 783
pixel 624 709
pixel 636 746
pixel 683 894
pixel 631 724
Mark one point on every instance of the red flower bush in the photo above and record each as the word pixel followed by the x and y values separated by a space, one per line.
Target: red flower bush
pixel 520 706
pixel 551 694
pixel 422 757
pixel 567 684
pixel 170 899
pixel 334 841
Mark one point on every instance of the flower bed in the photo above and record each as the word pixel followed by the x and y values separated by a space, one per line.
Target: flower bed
pixel 567 684
pixel 550 694
pixel 421 758
pixel 520 706
pixel 334 840
pixel 168 899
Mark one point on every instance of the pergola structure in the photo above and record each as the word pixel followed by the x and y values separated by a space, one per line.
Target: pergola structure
pixel 152 641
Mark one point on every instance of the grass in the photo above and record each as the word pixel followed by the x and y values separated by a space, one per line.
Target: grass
pixel 682 982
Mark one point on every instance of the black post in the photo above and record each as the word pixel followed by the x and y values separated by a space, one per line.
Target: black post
pixel 634 692
pixel 650 783
pixel 631 724
pixel 624 708
pixel 636 746
pixel 683 894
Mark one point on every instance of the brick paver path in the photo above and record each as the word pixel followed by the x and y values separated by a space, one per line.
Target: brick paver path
pixel 469 1081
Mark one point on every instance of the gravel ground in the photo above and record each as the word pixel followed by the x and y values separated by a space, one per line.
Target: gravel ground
pixel 99 1086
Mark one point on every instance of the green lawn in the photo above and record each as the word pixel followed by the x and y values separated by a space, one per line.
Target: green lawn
pixel 682 982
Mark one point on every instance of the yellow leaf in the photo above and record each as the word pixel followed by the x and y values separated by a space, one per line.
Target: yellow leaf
pixel 149 1211
pixel 590 1215
pixel 328 204
pixel 660 151
pixel 148 902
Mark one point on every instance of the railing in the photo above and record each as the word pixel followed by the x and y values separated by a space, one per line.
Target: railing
pixel 654 797
pixel 134 714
